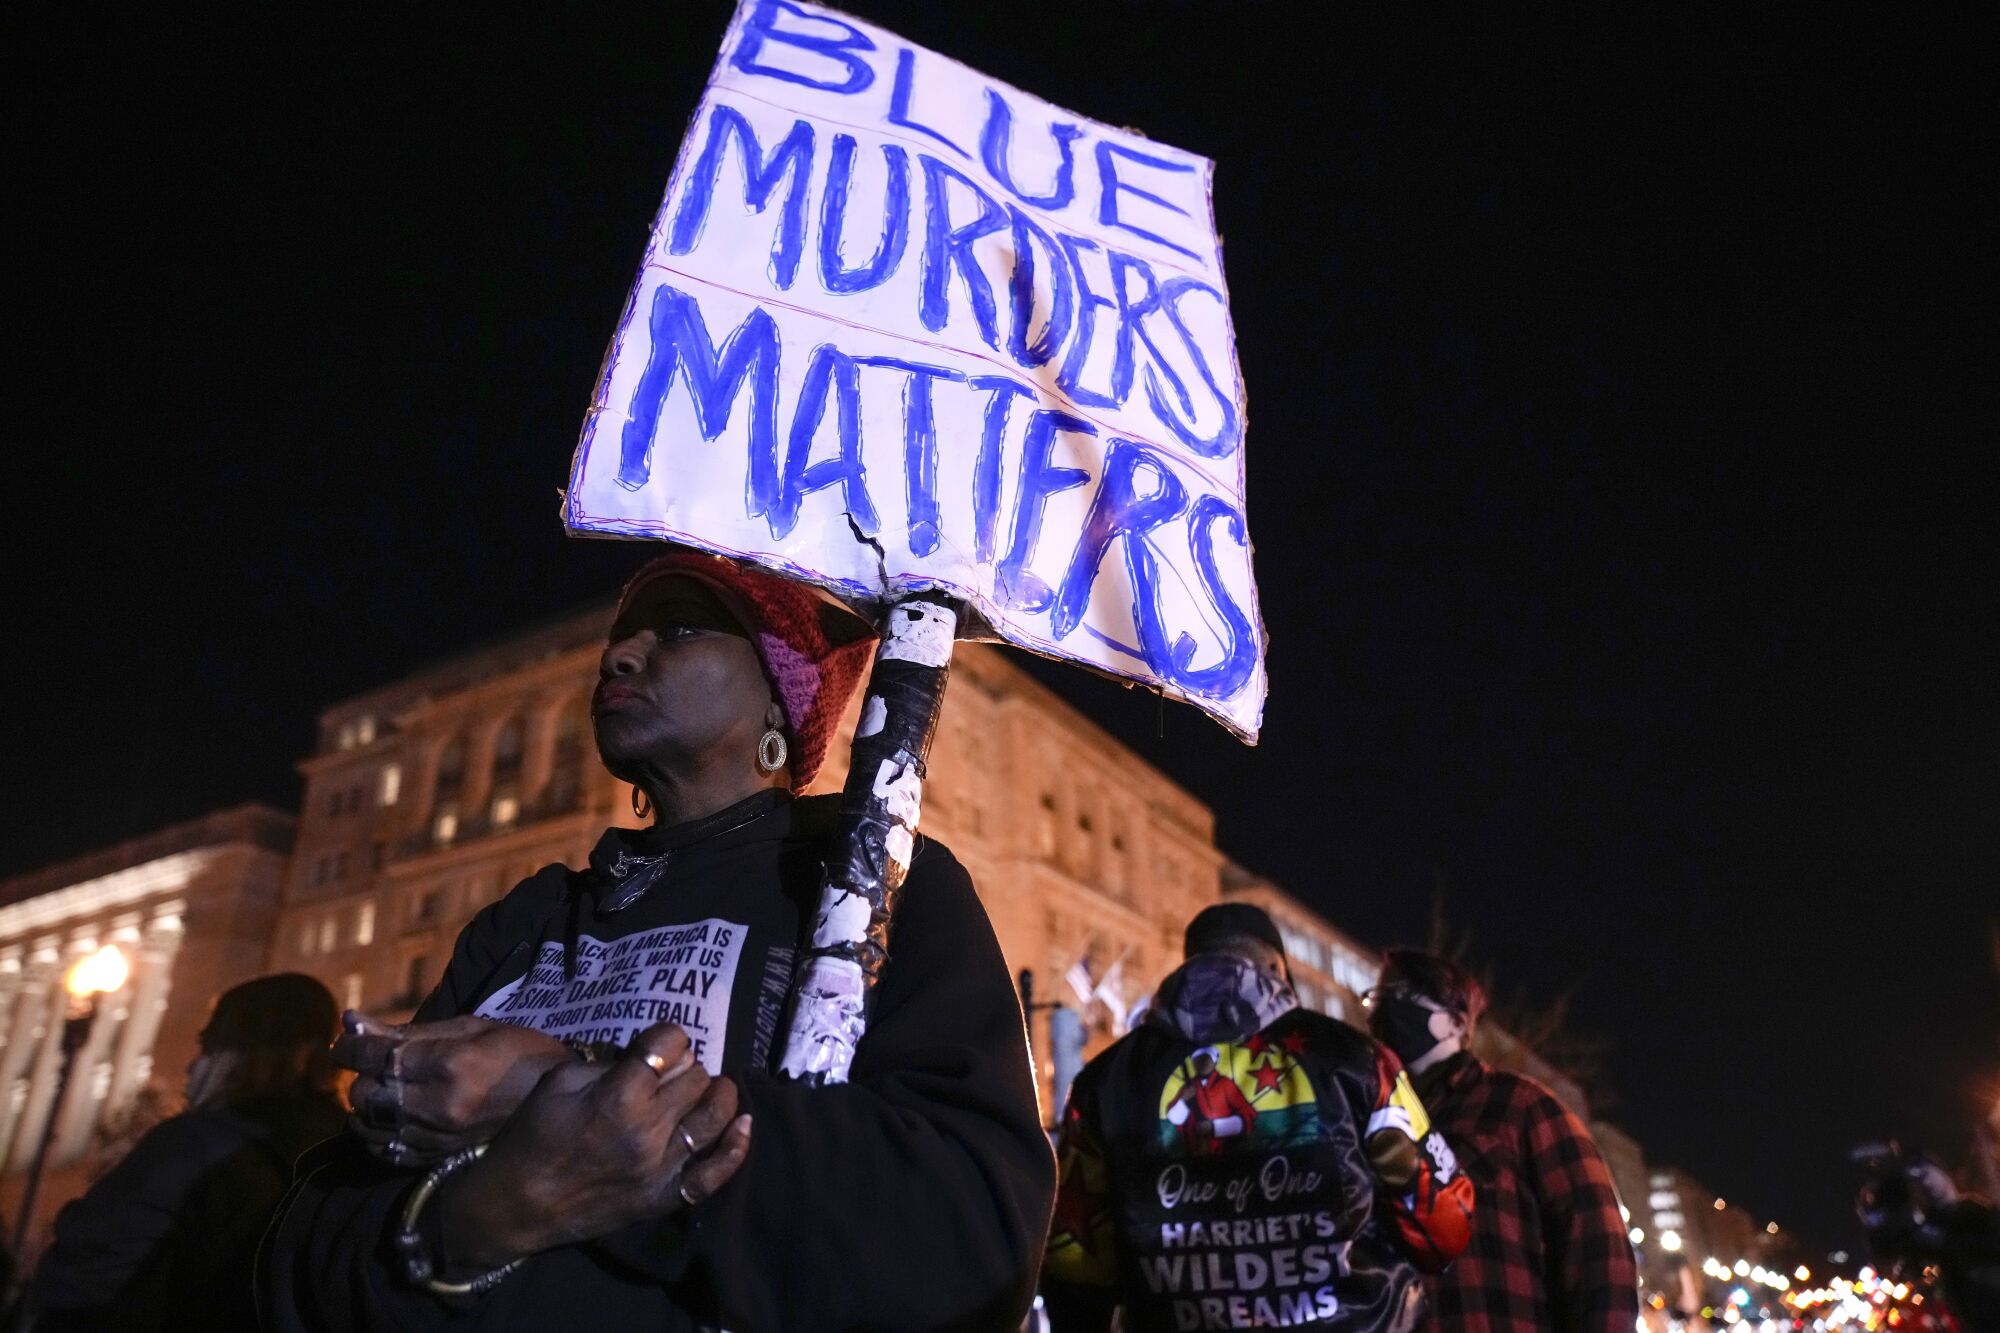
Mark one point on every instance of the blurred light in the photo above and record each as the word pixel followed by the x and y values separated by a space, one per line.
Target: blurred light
pixel 1771 1228
pixel 1741 1268
pixel 101 973
pixel 1720 1205
pixel 1802 1273
pixel 1670 1240
pixel 1638 1235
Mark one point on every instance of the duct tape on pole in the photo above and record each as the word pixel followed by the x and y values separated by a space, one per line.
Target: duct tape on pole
pixel 873 838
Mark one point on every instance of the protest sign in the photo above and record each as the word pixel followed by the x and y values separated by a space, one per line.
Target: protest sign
pixel 900 326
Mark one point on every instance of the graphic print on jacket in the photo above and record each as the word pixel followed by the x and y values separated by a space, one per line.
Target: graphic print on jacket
pixel 1287 1178
pixel 616 989
pixel 1257 1089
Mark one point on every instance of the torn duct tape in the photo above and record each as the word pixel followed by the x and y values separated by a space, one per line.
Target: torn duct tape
pixel 901 844
pixel 827 1022
pixel 899 786
pixel 843 921
pixel 919 632
pixel 873 841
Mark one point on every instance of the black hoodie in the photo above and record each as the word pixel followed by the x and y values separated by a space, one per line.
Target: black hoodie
pixel 915 1196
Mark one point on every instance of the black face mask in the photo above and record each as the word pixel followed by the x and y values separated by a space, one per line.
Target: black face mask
pixel 1404 1026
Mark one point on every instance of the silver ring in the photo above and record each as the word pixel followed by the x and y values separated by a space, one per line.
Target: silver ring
pixel 656 1062
pixel 686 1138
pixel 691 1200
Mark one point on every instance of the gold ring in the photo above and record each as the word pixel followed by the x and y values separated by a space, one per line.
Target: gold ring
pixel 656 1062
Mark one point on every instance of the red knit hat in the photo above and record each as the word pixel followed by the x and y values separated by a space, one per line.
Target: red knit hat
pixel 813 650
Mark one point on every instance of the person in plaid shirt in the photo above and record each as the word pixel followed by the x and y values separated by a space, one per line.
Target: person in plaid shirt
pixel 1549 1249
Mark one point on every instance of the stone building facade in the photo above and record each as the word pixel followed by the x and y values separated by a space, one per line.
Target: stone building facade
pixel 435 794
pixel 192 908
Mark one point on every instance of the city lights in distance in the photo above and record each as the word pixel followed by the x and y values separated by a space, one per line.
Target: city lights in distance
pixel 1670 1241
pixel 1638 1235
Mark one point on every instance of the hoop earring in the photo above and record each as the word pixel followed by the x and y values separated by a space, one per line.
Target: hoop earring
pixel 642 804
pixel 772 751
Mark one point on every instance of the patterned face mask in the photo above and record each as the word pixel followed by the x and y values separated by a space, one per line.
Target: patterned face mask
pixel 1404 1026
pixel 1218 997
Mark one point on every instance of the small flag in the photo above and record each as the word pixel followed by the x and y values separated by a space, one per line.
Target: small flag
pixel 1078 978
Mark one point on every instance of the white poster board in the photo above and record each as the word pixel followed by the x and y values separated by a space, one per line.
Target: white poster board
pixel 901 326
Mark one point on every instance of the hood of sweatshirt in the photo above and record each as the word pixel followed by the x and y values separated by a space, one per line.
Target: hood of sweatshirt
pixel 1217 997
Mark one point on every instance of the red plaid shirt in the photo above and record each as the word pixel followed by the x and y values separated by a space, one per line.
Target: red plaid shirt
pixel 1549 1249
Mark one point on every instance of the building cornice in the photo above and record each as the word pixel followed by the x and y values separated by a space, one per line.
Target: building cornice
pixel 120 888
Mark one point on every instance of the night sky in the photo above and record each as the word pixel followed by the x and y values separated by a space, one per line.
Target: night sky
pixel 1621 453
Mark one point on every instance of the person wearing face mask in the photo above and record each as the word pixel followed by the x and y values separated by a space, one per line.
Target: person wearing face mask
pixel 1237 1161
pixel 1549 1249
pixel 173 1228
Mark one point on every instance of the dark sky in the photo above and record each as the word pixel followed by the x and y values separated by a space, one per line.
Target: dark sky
pixel 1621 457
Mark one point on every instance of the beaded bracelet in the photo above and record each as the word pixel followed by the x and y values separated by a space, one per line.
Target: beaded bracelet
pixel 417 1263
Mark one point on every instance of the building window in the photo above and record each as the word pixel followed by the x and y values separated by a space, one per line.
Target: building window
pixel 506 809
pixel 507 750
pixel 416 976
pixel 445 828
pixel 431 905
pixel 350 991
pixel 389 786
pixel 451 767
pixel 364 925
pixel 340 864
pixel 364 730
pixel 308 936
pixel 329 933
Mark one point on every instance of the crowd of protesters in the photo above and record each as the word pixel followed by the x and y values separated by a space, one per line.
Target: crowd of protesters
pixel 1235 1161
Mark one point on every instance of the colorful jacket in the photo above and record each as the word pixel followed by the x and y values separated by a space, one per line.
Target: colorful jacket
pixel 1549 1249
pixel 1288 1177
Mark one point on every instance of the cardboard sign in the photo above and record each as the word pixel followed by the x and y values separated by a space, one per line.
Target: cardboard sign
pixel 902 326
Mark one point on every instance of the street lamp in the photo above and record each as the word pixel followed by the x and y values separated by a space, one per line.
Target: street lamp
pixel 100 973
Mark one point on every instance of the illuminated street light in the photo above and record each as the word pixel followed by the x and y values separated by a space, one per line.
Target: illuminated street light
pixel 1670 1241
pixel 101 973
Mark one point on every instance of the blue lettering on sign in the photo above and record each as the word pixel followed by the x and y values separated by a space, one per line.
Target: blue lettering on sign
pixel 1120 509
pixel 1070 378
pixel 835 276
pixel 919 445
pixel 993 144
pixel 899 101
pixel 1018 587
pixel 947 247
pixel 762 27
pixel 986 467
pixel 829 368
pixel 1021 294
pixel 1230 433
pixel 1225 678
pixel 790 161
pixel 715 378
pixel 1110 187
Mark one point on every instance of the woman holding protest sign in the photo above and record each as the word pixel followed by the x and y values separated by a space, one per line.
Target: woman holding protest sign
pixel 581 1121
